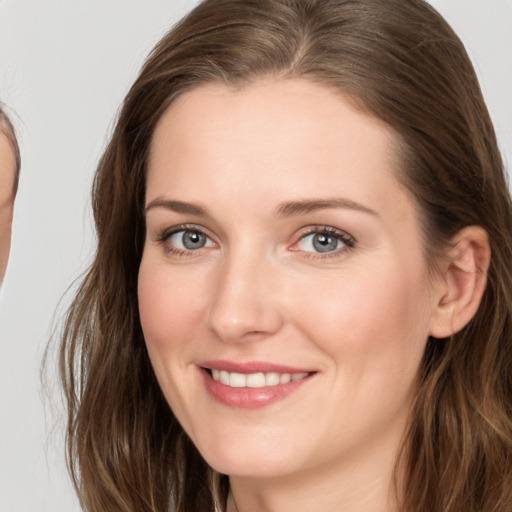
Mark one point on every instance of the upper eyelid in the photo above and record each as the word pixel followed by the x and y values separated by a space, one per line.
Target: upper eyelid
pixel 313 228
pixel 167 232
pixel 318 228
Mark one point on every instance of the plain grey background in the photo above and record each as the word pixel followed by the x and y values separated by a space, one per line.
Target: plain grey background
pixel 65 66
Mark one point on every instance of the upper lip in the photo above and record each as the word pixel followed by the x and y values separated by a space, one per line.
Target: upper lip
pixel 248 367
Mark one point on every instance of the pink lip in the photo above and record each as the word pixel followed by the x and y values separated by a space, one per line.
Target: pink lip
pixel 249 398
pixel 250 367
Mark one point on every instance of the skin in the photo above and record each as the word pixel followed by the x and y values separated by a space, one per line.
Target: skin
pixel 7 173
pixel 358 316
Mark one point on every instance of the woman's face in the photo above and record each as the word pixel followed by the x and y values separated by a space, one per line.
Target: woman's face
pixel 7 172
pixel 283 291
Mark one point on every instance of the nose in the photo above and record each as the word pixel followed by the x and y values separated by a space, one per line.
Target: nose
pixel 245 304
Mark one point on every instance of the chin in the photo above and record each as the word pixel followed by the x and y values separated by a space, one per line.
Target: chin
pixel 257 469
pixel 248 458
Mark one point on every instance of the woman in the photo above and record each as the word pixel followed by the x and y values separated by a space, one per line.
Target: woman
pixel 301 293
pixel 9 175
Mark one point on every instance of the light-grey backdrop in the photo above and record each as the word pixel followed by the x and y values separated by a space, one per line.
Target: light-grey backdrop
pixel 64 69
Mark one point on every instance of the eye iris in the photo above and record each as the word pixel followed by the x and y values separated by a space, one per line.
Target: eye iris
pixel 193 240
pixel 324 243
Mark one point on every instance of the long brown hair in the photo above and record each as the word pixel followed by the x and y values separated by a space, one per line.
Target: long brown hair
pixel 398 60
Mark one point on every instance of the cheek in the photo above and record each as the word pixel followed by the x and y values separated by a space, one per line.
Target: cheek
pixel 170 313
pixel 374 334
pixel 169 307
pixel 169 303
pixel 373 323
pixel 5 236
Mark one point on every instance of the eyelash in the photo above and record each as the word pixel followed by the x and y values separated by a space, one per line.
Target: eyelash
pixel 167 233
pixel 347 240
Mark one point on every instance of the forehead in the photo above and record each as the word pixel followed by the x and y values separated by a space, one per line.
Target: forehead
pixel 274 137
pixel 304 103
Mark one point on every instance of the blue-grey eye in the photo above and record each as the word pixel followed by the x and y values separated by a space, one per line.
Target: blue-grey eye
pixel 190 240
pixel 320 242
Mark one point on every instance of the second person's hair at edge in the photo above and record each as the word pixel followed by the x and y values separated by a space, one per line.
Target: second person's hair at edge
pixel 397 60
pixel 7 129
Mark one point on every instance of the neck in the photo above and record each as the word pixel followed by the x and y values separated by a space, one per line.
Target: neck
pixel 365 486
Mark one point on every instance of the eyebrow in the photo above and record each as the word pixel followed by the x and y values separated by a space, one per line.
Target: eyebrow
pixel 288 209
pixel 305 206
pixel 178 206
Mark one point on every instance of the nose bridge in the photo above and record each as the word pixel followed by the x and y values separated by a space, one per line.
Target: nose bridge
pixel 243 306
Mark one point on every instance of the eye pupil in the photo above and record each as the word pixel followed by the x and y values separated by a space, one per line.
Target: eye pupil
pixel 193 240
pixel 324 243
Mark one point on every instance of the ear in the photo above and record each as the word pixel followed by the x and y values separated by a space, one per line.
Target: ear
pixel 463 278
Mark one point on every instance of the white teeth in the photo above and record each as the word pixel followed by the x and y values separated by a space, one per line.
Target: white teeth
pixel 237 380
pixel 255 380
pixel 272 379
pixel 285 378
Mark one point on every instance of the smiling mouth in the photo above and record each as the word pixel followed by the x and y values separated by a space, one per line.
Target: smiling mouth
pixel 254 380
pixel 243 386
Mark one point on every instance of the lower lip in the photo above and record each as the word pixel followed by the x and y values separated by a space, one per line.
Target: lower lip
pixel 249 398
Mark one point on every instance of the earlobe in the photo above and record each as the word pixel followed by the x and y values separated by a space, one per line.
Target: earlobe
pixel 463 280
